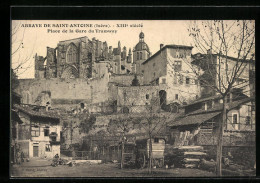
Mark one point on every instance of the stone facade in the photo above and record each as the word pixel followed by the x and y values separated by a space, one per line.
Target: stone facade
pixel 138 99
pixel 171 69
pixel 78 58
pixel 38 136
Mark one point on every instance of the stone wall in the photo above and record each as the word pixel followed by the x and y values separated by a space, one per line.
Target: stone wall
pixel 137 99
pixel 125 79
pixel 65 91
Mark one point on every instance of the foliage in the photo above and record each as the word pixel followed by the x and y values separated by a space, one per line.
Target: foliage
pixel 135 81
pixel 87 124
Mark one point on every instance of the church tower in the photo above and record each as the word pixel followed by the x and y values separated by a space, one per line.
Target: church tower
pixel 141 52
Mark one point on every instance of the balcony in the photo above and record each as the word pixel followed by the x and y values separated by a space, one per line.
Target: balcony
pixel 53 138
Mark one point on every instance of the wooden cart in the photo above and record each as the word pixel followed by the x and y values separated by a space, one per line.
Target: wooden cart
pixel 142 152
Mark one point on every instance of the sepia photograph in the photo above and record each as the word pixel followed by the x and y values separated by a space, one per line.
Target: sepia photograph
pixel 132 98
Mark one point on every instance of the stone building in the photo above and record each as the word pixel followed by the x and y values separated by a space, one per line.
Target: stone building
pixel 138 99
pixel 39 133
pixel 170 68
pixel 79 58
pixel 212 64
pixel 88 75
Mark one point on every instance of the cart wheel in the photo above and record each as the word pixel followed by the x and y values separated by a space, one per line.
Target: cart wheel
pixel 141 161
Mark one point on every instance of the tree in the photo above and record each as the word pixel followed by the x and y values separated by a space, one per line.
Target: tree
pixel 21 59
pixel 135 81
pixel 153 123
pixel 121 125
pixel 228 48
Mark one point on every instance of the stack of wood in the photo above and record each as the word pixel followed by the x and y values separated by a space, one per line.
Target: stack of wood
pixel 188 156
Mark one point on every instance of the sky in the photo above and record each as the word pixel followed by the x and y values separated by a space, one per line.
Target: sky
pixel 36 39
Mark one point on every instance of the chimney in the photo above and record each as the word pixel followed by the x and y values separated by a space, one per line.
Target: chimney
pixel 209 51
pixel 161 46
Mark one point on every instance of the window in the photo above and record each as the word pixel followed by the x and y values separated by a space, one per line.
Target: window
pixel 72 53
pixel 82 105
pixel 156 140
pixel 177 66
pixel 187 80
pixel 153 64
pixel 137 55
pixel 248 119
pixel 177 54
pixel 142 71
pixel 46 132
pixel 163 81
pixel 176 96
pixel 53 138
pixel 47 147
pixel 154 74
pixel 141 56
pixel 35 130
pixel 234 119
pixel 147 96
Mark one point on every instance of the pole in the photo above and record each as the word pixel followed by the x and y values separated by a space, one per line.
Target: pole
pixel 220 138
pixel 122 152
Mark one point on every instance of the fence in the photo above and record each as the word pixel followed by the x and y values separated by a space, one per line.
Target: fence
pixel 105 154
pixel 79 155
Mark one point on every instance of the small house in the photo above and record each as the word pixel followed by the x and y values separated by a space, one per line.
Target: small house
pixel 39 133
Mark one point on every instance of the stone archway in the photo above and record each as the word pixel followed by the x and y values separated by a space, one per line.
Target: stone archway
pixel 70 72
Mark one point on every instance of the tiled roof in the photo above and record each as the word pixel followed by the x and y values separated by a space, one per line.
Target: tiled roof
pixel 199 116
pixel 219 106
pixel 194 119
pixel 167 46
pixel 28 110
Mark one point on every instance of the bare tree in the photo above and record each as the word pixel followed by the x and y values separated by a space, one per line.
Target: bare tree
pixel 228 48
pixel 21 61
pixel 121 125
pixel 153 123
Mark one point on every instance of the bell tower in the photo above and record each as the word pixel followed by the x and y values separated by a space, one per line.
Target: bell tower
pixel 141 52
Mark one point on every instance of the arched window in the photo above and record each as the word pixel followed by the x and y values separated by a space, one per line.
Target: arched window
pixel 141 55
pixel 162 95
pixel 137 55
pixel 72 54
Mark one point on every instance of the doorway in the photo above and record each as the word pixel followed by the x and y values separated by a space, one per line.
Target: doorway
pixel 35 151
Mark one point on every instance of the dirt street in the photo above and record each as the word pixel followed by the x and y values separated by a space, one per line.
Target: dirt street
pixel 42 168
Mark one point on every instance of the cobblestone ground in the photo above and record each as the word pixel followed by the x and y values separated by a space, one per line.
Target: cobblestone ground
pixel 43 168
